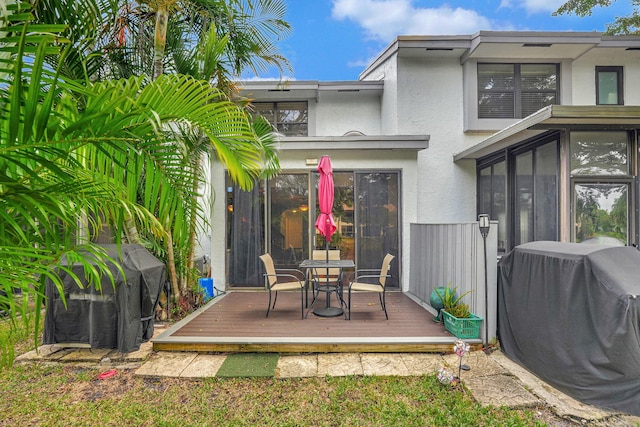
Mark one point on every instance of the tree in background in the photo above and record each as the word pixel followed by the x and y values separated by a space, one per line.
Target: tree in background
pixel 622 25
pixel 118 38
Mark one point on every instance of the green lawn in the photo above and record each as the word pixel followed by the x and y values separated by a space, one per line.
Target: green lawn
pixel 74 396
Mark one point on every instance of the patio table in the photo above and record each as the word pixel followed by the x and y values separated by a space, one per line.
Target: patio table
pixel 327 310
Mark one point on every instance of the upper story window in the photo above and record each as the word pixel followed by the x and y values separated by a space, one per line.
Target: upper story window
pixel 609 86
pixel 289 118
pixel 514 91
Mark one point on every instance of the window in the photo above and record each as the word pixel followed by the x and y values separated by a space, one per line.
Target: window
pixel 278 216
pixel 492 192
pixel 601 213
pixel 601 184
pixel 599 153
pixel 536 198
pixel 519 189
pixel 514 91
pixel 288 118
pixel 609 86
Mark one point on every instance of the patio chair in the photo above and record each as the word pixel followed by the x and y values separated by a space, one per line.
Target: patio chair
pixel 283 279
pixel 326 276
pixel 365 281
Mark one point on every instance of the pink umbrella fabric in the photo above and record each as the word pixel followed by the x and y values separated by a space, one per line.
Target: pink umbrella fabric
pixel 325 224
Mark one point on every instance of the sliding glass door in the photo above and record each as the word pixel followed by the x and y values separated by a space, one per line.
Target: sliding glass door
pixel 288 215
pixel 365 209
pixel 377 218
pixel 343 215
pixel 245 234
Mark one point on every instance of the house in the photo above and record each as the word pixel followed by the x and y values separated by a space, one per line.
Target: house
pixel 537 129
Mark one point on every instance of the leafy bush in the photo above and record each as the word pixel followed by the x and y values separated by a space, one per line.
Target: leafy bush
pixel 452 303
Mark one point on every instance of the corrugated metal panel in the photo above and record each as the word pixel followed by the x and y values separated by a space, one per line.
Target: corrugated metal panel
pixel 454 253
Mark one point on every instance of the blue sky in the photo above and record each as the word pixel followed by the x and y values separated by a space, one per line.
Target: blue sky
pixel 335 39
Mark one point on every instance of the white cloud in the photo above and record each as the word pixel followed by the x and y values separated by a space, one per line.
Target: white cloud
pixel 536 6
pixel 385 19
pixel 360 63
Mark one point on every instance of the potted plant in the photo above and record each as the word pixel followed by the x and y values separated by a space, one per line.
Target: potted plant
pixel 457 315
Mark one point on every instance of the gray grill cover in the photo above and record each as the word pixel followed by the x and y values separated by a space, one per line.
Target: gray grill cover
pixel 121 319
pixel 569 313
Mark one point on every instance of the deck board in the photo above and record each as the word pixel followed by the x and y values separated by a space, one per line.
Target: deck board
pixel 237 322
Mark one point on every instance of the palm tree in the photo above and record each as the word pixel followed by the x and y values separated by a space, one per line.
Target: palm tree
pixel 73 150
pixel 153 37
pixel 210 40
pixel 215 40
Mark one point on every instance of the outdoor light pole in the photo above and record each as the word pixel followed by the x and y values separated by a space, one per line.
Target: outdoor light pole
pixel 483 225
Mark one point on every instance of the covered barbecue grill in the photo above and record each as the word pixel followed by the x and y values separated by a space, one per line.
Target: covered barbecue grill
pixel 119 318
pixel 570 313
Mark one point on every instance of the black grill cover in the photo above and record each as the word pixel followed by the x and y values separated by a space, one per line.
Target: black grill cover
pixel 120 318
pixel 570 313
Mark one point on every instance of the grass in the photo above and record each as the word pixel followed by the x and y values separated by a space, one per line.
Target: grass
pixel 72 396
pixel 68 395
pixel 16 338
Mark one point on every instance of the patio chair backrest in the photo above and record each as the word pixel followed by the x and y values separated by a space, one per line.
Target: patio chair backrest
pixel 386 265
pixel 271 279
pixel 329 274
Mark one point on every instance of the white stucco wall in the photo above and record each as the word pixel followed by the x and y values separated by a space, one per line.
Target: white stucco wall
pixel 218 225
pixel 405 161
pixel 389 102
pixel 432 103
pixel 340 112
pixel 584 77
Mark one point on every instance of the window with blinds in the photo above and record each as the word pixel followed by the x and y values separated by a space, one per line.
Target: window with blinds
pixel 288 118
pixel 514 91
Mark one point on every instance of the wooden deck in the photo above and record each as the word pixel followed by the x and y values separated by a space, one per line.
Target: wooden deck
pixel 236 322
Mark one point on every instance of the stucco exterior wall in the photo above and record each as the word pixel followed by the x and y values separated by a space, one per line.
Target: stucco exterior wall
pixel 337 113
pixel 404 161
pixel 432 103
pixel 387 72
pixel 218 225
pixel 584 77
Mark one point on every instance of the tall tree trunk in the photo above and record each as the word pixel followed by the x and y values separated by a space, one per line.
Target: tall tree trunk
pixel 171 264
pixel 131 230
pixel 160 41
pixel 193 221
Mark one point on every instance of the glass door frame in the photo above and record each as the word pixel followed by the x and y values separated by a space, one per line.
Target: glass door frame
pixel 631 179
pixel 631 184
pixel 396 266
pixel 310 244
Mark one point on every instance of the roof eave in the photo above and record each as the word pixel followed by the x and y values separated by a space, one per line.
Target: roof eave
pixel 553 117
pixel 341 143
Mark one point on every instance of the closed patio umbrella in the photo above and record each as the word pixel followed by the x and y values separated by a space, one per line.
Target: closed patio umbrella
pixel 325 224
